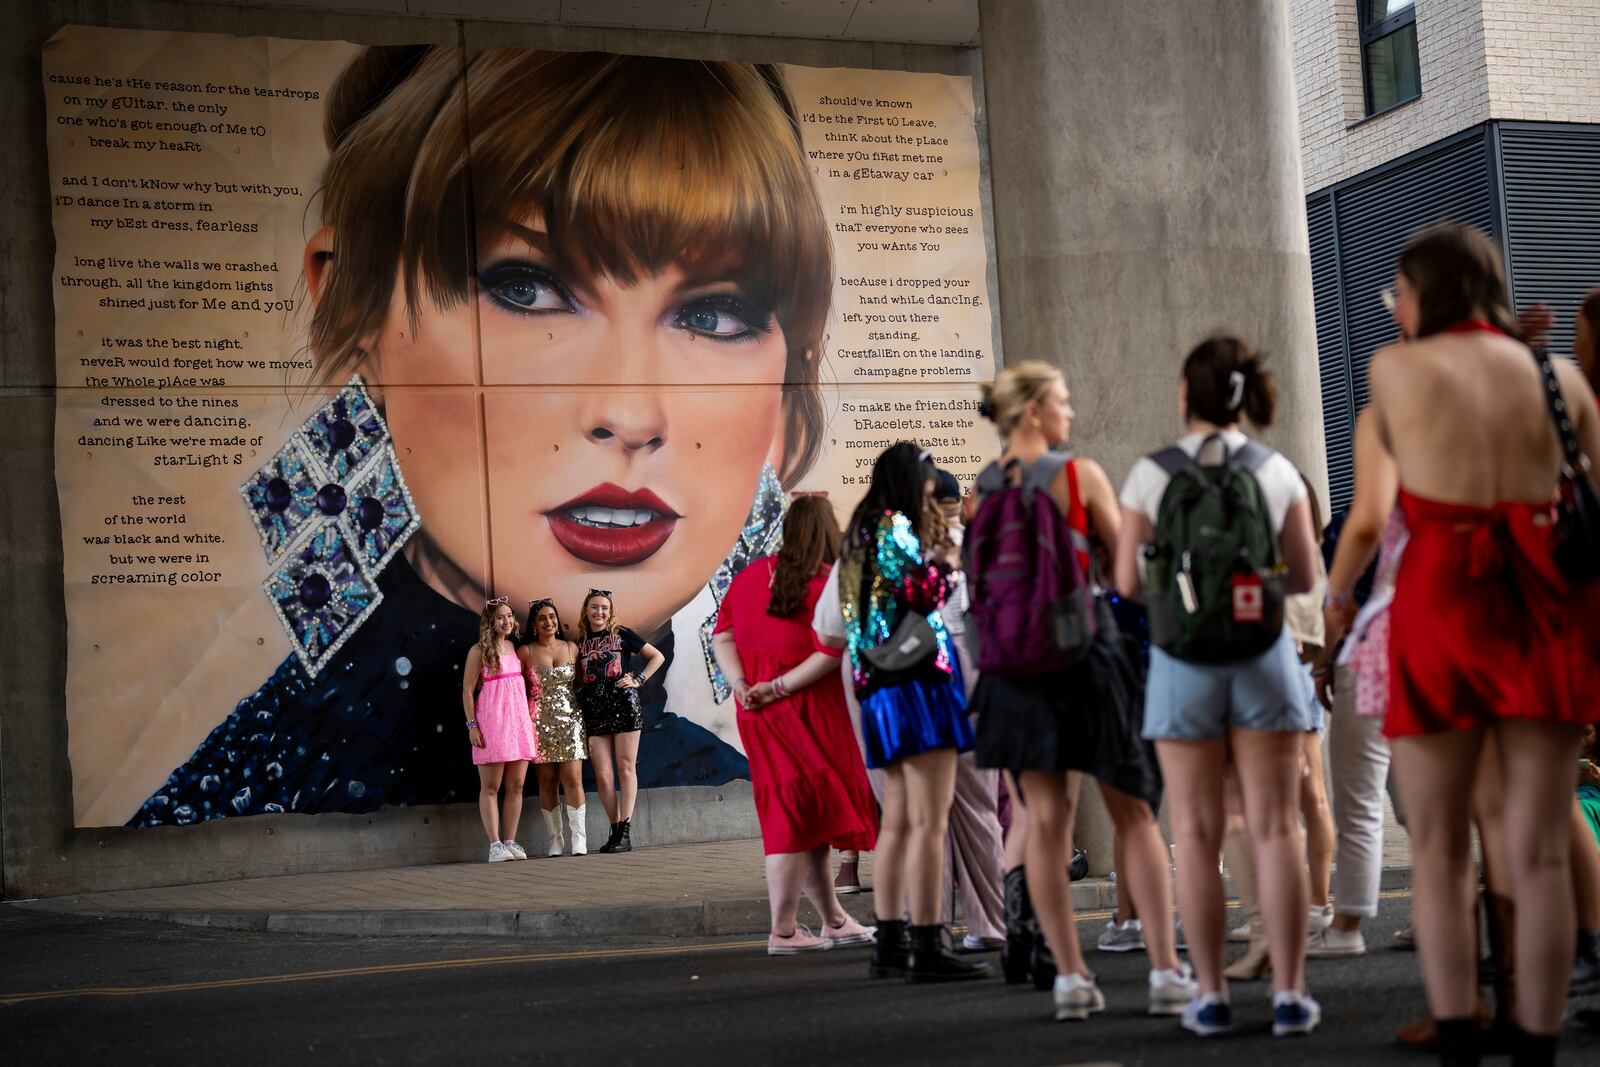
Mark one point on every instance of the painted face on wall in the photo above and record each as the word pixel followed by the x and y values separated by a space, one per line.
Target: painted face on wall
pixel 619 434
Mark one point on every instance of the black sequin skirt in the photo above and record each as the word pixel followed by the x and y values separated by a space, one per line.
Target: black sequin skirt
pixel 609 709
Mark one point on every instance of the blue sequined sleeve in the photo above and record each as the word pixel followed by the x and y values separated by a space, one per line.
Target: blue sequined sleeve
pixel 921 586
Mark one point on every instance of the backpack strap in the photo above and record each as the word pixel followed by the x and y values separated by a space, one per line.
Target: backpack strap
pixel 994 479
pixel 1078 520
pixel 1041 474
pixel 1250 456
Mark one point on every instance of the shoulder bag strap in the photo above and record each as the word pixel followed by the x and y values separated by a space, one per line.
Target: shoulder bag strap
pixel 1572 458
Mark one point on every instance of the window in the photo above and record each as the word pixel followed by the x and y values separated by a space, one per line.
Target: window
pixel 1389 70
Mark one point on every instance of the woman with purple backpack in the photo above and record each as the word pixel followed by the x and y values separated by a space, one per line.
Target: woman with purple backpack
pixel 1046 715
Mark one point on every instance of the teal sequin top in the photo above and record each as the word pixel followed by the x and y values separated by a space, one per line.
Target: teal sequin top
pixel 901 580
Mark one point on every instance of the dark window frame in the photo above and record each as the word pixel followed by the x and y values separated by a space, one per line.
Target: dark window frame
pixel 1371 35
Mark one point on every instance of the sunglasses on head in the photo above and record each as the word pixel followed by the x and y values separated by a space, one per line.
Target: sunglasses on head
pixel 535 605
pixel 497 601
pixel 600 592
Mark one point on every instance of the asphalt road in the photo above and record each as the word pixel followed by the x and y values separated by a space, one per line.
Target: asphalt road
pixel 76 990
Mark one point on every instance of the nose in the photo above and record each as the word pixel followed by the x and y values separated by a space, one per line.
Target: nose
pixel 629 414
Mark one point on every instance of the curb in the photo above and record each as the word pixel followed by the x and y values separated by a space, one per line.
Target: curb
pixel 711 918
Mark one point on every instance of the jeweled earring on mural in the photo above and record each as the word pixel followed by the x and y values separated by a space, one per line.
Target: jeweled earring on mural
pixel 331 509
pixel 761 535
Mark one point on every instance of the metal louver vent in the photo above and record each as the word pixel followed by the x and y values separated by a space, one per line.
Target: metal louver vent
pixel 1552 196
pixel 1333 360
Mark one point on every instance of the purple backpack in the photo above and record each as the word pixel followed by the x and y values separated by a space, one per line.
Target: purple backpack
pixel 1032 605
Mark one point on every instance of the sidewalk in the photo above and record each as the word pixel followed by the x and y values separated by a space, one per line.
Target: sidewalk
pixel 700 890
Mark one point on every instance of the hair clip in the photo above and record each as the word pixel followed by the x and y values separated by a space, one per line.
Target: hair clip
pixel 925 456
pixel 496 600
pixel 1235 389
pixel 599 592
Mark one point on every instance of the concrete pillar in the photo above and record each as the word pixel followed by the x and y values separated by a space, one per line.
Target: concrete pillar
pixel 1148 192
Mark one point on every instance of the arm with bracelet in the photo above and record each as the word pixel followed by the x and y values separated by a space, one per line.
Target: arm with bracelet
pixel 469 694
pixel 812 669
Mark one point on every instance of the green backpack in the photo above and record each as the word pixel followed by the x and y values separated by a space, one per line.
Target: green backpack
pixel 1213 577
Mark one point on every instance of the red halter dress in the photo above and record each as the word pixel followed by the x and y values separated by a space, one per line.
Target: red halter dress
pixel 1484 626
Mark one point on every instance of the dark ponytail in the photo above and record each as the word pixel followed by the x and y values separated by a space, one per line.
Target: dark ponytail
pixel 1225 379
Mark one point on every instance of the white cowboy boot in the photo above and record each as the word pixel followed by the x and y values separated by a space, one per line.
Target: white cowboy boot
pixel 552 823
pixel 578 829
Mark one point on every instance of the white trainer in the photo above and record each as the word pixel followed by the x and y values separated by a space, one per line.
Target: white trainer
pixel 1077 996
pixel 516 850
pixel 1332 944
pixel 1320 918
pixel 1170 991
pixel 498 853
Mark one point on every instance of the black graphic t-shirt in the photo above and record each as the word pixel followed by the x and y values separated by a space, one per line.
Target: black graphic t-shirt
pixel 602 659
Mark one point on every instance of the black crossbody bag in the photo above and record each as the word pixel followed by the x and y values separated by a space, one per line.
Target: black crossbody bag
pixel 1577 529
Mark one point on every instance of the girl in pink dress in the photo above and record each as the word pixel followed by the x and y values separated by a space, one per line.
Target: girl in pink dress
pixel 494 693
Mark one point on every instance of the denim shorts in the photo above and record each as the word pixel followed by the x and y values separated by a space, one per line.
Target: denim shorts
pixel 1202 701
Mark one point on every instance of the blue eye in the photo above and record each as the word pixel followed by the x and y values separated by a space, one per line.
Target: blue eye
pixel 525 288
pixel 724 317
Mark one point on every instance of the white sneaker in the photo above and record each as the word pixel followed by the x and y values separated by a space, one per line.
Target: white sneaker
pixel 515 849
pixel 498 853
pixel 1077 997
pixel 1240 935
pixel 974 943
pixel 1170 991
pixel 1127 937
pixel 1332 944
pixel 1320 918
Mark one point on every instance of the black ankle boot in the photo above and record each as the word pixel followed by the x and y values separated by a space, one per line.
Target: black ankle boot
pixel 930 961
pixel 1533 1050
pixel 1019 936
pixel 1042 962
pixel 611 842
pixel 889 950
pixel 1586 965
pixel 1460 1042
pixel 623 842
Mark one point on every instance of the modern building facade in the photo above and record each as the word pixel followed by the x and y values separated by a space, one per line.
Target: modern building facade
pixel 1477 111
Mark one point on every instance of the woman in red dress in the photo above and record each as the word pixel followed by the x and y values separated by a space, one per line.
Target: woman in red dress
pixel 1493 651
pixel 811 790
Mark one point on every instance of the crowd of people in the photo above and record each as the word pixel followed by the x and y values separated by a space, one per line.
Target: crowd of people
pixel 932 682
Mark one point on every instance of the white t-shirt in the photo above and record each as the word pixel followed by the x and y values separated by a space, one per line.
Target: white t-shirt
pixel 1280 482
pixel 827 619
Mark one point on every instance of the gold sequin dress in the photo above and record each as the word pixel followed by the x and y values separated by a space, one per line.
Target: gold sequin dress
pixel 558 725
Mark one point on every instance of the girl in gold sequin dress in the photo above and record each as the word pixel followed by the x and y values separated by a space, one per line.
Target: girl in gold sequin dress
pixel 549 659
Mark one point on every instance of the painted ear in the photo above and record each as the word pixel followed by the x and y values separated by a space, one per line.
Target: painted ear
pixel 319 253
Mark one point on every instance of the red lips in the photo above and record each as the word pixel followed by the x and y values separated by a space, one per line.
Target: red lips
pixel 612 527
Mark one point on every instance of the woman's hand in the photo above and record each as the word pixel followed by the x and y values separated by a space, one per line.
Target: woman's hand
pixel 761 694
pixel 628 681
pixel 1322 674
pixel 475 735
pixel 1337 615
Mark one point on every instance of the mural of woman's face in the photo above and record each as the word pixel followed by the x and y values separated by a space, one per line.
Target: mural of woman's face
pixel 624 424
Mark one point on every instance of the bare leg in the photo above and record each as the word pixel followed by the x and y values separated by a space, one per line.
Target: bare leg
pixel 1193 771
pixel 516 777
pixel 818 880
pixel 1435 773
pixel 1052 807
pixel 1269 779
pixel 489 775
pixel 548 775
pixel 785 872
pixel 571 773
pixel 889 867
pixel 1142 873
pixel 1318 816
pixel 1017 838
pixel 1126 908
pixel 627 750
pixel 1537 819
pixel 930 781
pixel 605 774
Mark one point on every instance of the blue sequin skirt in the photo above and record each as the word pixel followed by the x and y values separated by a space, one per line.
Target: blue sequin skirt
pixel 914 717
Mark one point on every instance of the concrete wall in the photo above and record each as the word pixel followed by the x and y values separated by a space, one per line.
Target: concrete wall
pixel 40 852
pixel 1337 140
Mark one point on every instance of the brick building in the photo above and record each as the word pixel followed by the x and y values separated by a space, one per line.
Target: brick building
pixel 1415 111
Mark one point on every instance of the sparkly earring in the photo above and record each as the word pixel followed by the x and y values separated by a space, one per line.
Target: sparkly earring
pixel 331 510
pixel 761 536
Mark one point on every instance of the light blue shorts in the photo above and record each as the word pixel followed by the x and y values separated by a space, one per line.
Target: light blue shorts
pixel 1202 701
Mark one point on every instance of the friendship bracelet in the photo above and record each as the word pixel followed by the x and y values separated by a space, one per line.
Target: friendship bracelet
pixel 472 724
pixel 1337 599
pixel 778 687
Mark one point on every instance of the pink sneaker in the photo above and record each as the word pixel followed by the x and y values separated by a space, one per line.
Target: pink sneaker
pixel 850 932
pixel 802 940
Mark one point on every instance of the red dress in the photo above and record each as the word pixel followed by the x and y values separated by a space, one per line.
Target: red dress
pixel 805 767
pixel 1484 627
